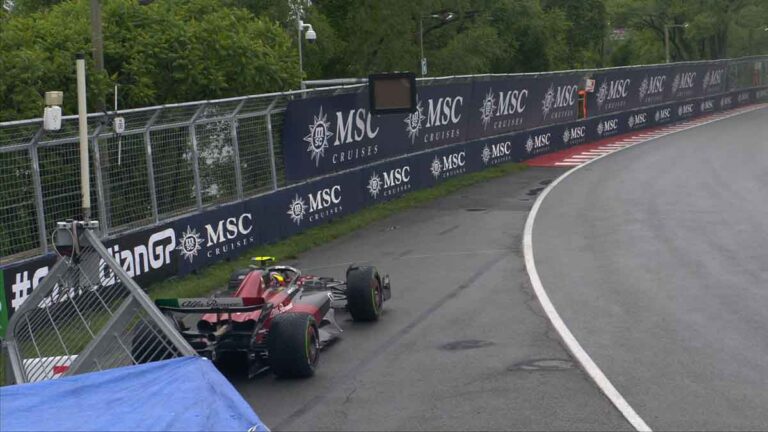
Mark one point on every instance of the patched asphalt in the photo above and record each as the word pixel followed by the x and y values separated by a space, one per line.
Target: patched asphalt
pixel 463 344
pixel 656 259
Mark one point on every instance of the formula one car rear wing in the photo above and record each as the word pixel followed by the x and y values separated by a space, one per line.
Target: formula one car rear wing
pixel 215 305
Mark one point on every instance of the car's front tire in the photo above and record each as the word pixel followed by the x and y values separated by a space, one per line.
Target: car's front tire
pixel 365 295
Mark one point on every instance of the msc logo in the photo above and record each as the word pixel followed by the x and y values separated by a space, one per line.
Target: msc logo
pixel 684 110
pixel 497 153
pixel 229 228
pixel 707 105
pixel 228 234
pixel 743 97
pixel 322 203
pixel 395 181
pixel 652 88
pixel 445 111
pixel 636 120
pixel 760 94
pixel 538 143
pixel 190 244
pixel 449 165
pixel 607 127
pixel 558 101
pixel 351 127
pixel 683 83
pixel 612 90
pixel 726 101
pixel 663 115
pixel 510 103
pixel 712 78
pixel 319 133
pixel 574 135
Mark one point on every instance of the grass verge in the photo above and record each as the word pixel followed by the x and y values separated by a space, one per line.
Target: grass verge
pixel 214 277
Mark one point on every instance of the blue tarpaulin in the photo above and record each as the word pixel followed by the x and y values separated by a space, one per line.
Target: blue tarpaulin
pixel 183 394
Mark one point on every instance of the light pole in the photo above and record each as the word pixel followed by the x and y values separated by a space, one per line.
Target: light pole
pixel 311 36
pixel 666 36
pixel 445 17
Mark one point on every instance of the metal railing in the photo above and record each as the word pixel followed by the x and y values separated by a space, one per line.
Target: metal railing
pixel 170 160
pixel 87 315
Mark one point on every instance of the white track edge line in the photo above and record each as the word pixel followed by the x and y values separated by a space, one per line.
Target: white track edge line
pixel 590 367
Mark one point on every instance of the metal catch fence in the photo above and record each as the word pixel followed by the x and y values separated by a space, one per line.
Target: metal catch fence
pixel 170 160
pixel 87 315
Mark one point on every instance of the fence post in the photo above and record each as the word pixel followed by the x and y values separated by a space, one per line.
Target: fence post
pixel 100 195
pixel 236 148
pixel 195 157
pixel 38 187
pixel 271 144
pixel 150 167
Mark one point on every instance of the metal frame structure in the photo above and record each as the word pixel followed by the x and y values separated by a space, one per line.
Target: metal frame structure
pixel 171 160
pixel 87 315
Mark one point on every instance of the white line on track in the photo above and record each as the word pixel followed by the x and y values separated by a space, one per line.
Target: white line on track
pixel 589 366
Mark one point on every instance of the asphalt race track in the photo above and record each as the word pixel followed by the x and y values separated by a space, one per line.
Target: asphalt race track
pixel 656 257
pixel 463 344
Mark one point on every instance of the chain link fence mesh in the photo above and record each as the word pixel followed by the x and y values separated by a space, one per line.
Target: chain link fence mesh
pixel 123 162
pixel 86 316
pixel 170 160
pixel 18 232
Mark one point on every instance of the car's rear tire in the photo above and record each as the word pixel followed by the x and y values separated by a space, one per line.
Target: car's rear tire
pixel 294 345
pixel 365 295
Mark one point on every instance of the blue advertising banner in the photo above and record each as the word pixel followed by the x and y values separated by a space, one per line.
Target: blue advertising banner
pixel 341 133
pixel 214 235
pixel 389 180
pixel 439 118
pixel 505 105
pixel 315 202
pixel 444 164
pixel 334 133
pixel 560 100
pixel 624 89
pixel 628 88
pixel 715 78
pixel 761 95
pixel 573 134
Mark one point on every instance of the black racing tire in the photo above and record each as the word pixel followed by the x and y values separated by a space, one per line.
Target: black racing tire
pixel 148 343
pixel 365 295
pixel 236 278
pixel 294 345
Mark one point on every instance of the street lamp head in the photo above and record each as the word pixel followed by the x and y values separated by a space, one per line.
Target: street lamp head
pixel 685 25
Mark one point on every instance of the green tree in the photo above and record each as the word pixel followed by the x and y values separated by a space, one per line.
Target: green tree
pixel 587 28
pixel 169 51
pixel 716 28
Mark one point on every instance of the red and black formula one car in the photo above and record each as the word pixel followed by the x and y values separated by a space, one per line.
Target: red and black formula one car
pixel 279 318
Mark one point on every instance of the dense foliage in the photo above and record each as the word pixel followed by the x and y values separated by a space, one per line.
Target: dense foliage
pixel 181 50
pixel 169 51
